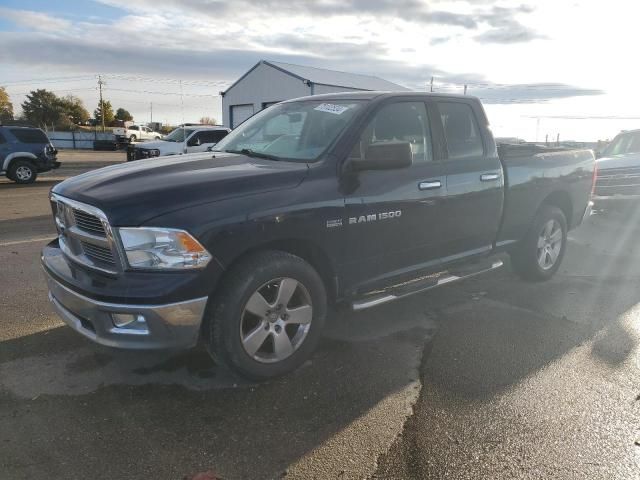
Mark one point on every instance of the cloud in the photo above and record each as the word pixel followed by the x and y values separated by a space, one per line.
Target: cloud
pixel 529 93
pixel 413 11
pixel 506 29
pixel 34 20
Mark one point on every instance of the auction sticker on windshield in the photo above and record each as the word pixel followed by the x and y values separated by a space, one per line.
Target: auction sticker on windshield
pixel 331 108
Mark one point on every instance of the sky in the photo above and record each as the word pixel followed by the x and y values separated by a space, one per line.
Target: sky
pixel 542 68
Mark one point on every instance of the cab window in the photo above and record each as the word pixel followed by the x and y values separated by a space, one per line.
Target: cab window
pixel 398 123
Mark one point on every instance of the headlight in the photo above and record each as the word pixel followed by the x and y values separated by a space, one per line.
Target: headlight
pixel 162 248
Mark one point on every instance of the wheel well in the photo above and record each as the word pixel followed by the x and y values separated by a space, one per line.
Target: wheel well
pixel 15 159
pixel 562 200
pixel 309 252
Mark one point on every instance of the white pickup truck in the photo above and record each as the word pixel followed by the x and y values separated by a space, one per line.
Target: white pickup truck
pixel 184 139
pixel 133 133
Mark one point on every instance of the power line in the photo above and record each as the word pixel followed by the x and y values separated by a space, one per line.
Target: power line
pixel 163 93
pixel 49 80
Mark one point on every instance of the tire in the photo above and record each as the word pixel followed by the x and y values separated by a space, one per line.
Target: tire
pixel 540 253
pixel 157 138
pixel 254 334
pixel 22 172
pixel 132 138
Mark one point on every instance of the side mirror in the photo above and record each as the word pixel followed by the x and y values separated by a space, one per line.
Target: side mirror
pixel 385 156
pixel 598 154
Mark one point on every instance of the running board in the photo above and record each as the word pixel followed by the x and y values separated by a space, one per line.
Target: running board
pixel 404 292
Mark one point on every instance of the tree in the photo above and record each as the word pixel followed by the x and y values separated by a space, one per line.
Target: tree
pixel 208 121
pixel 108 113
pixel 42 108
pixel 6 107
pixel 74 109
pixel 124 115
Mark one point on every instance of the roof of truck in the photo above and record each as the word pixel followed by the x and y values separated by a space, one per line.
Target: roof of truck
pixel 376 94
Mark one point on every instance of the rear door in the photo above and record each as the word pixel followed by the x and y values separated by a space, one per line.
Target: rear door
pixel 475 187
pixel 392 215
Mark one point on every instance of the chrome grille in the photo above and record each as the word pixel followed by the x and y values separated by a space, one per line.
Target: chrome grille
pixel 96 252
pixel 89 223
pixel 85 235
pixel 618 181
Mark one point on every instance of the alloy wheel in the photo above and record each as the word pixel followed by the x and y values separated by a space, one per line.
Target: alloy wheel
pixel 276 320
pixel 23 173
pixel 549 244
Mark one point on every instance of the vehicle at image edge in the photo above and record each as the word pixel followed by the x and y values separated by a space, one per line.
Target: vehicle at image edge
pixel 618 177
pixel 355 198
pixel 135 133
pixel 184 139
pixel 25 152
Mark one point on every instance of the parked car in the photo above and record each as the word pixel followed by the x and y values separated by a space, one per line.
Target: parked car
pixel 135 133
pixel 187 139
pixel 618 178
pixel 25 152
pixel 355 198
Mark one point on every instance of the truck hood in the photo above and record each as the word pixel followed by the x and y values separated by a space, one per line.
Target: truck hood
pixel 619 161
pixel 132 193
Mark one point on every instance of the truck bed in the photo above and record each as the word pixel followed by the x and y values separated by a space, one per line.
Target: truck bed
pixel 534 173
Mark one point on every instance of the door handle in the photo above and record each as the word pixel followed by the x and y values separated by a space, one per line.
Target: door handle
pixel 489 177
pixel 430 185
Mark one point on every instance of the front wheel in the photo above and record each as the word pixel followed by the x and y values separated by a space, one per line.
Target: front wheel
pixel 540 253
pixel 268 317
pixel 132 138
pixel 22 172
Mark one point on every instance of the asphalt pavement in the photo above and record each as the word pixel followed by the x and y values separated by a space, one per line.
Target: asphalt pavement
pixel 492 378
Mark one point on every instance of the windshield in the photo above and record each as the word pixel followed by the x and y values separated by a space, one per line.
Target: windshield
pixel 179 135
pixel 299 131
pixel 623 144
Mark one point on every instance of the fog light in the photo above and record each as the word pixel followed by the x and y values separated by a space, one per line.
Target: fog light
pixel 129 321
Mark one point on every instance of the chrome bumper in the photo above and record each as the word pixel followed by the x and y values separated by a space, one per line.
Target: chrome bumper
pixel 175 325
pixel 609 199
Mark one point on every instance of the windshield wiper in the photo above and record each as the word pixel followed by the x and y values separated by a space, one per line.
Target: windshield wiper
pixel 252 153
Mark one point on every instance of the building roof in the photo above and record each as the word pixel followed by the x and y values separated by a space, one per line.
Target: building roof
pixel 321 76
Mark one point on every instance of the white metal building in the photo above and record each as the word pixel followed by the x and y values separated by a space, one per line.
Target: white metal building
pixel 272 82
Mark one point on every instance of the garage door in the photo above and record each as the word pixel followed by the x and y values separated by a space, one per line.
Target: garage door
pixel 239 113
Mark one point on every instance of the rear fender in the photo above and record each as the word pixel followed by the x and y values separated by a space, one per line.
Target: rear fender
pixel 15 155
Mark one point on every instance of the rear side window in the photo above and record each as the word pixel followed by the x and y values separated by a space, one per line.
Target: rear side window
pixel 29 135
pixel 133 127
pixel 461 130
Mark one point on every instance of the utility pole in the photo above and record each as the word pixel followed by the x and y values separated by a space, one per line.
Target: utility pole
pixel 465 88
pixel 431 88
pixel 100 83
pixel 151 109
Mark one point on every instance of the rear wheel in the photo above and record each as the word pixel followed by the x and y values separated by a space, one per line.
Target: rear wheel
pixel 268 317
pixel 540 253
pixel 22 171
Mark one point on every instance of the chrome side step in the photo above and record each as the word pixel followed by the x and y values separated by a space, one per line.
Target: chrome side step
pixel 379 300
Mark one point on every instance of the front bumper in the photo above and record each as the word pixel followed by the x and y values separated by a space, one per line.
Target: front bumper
pixel 169 326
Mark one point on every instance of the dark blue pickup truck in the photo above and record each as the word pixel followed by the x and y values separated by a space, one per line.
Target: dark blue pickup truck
pixel 24 152
pixel 353 198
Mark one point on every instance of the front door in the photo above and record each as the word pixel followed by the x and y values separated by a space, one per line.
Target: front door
pixel 392 215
